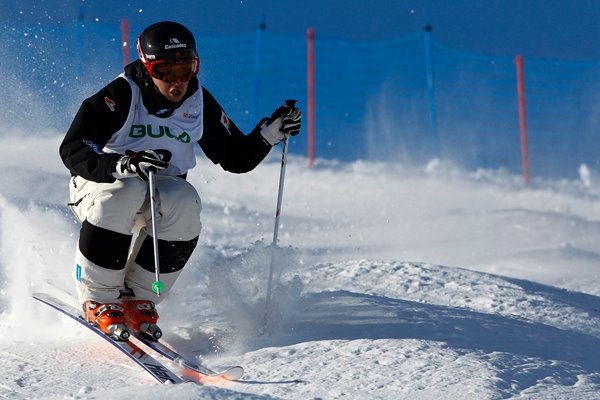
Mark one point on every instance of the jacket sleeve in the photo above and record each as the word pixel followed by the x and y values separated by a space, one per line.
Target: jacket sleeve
pixel 98 118
pixel 224 143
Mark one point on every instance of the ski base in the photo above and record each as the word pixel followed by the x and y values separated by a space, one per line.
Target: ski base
pixel 191 371
pixel 230 373
pixel 154 367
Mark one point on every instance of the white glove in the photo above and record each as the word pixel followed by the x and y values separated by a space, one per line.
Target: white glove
pixel 141 163
pixel 286 120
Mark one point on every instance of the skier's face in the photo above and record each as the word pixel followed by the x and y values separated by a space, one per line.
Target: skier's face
pixel 174 71
pixel 171 79
pixel 173 91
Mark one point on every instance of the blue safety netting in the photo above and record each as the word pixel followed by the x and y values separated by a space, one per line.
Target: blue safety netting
pixel 406 100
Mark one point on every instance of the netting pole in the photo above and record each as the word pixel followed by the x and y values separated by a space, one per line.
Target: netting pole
pixel 435 148
pixel 125 41
pixel 522 118
pixel 310 78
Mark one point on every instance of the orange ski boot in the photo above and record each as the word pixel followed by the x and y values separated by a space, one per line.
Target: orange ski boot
pixel 108 317
pixel 141 316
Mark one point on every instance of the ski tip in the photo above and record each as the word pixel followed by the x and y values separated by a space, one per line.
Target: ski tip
pixel 232 373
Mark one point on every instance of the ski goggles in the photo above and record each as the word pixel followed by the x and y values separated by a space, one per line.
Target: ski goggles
pixel 174 72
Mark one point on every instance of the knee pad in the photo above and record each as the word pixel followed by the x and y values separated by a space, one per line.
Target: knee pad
pixel 104 247
pixel 173 255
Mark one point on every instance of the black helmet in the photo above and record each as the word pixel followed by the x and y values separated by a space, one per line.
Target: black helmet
pixel 168 42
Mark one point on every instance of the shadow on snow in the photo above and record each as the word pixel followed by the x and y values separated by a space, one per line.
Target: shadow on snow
pixel 344 315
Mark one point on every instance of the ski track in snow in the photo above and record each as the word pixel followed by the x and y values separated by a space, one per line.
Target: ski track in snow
pixel 391 283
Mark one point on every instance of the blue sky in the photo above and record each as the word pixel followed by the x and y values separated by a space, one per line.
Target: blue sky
pixel 561 29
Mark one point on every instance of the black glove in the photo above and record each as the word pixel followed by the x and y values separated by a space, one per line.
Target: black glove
pixel 141 163
pixel 286 120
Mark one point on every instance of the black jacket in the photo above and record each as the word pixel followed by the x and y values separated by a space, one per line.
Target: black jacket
pixel 95 123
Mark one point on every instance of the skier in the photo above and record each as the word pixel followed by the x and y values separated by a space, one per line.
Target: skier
pixel 149 118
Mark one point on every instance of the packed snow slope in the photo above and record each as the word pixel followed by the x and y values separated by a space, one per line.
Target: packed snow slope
pixel 391 283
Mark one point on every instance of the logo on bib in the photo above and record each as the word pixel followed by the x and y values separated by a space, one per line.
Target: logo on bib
pixel 189 115
pixel 139 131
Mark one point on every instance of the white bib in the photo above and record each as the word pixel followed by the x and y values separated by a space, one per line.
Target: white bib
pixel 177 133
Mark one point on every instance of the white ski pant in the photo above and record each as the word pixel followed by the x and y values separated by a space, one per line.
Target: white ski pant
pixel 115 253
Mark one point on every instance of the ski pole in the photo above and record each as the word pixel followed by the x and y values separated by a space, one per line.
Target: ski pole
pixel 276 229
pixel 157 286
pixel 291 104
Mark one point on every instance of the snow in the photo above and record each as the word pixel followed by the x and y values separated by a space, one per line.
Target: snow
pixel 393 282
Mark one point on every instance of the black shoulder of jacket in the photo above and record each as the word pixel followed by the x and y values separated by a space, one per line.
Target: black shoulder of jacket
pixel 98 118
pixel 225 144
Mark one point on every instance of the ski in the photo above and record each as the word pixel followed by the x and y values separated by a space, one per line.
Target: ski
pixel 231 373
pixel 155 368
